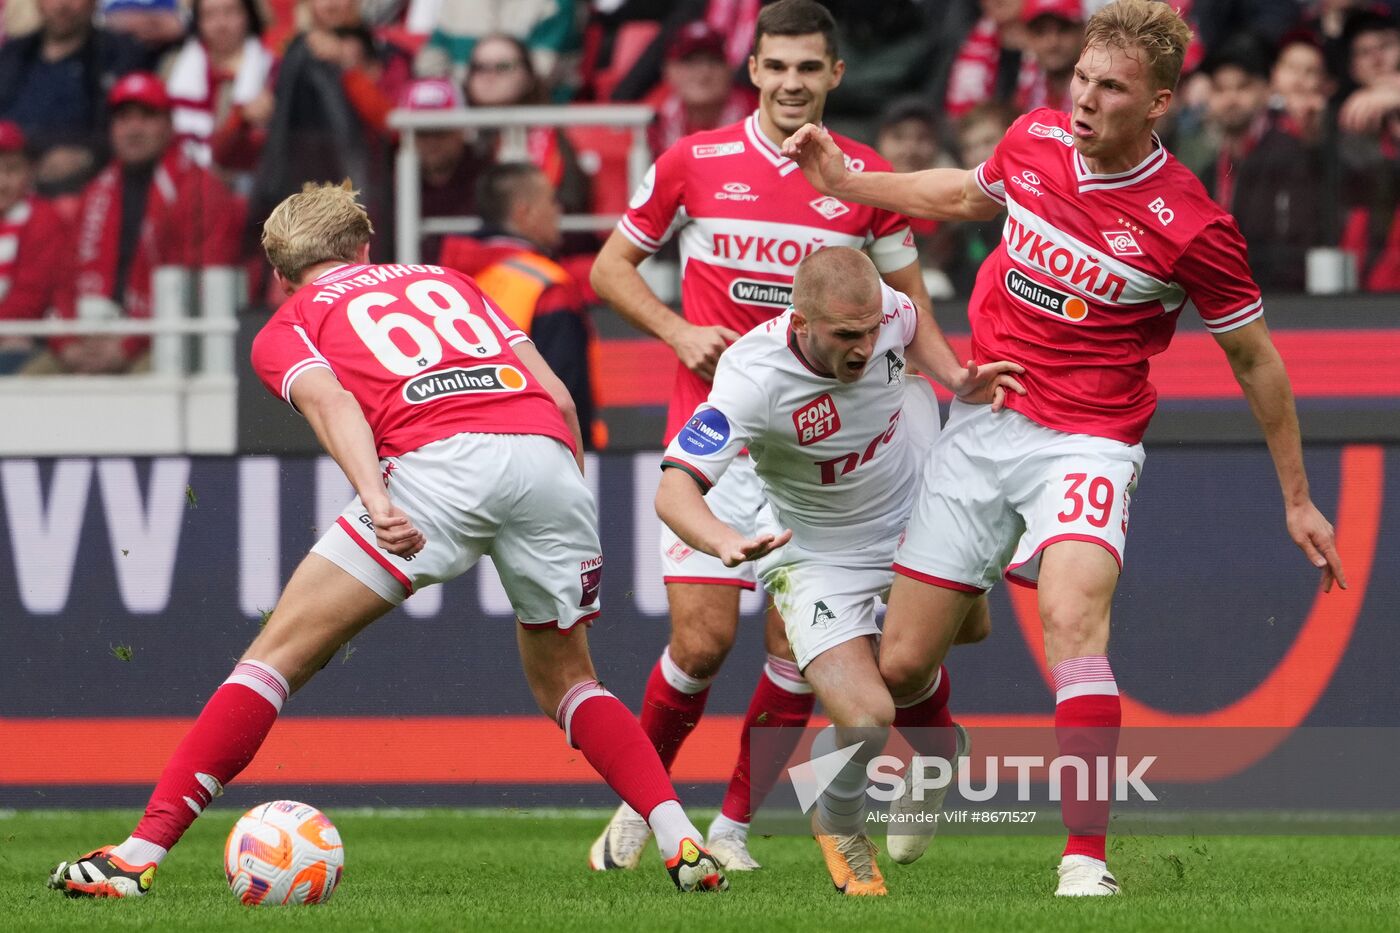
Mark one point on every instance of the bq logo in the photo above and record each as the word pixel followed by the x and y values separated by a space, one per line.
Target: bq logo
pixel 1046 299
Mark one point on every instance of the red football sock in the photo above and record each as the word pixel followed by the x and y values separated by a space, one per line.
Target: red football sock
pixel 1088 715
pixel 782 703
pixel 927 714
pixel 597 724
pixel 671 707
pixel 222 741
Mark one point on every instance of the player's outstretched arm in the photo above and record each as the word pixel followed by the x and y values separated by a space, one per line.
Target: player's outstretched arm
pixel 530 356
pixel 340 426
pixel 1260 372
pixel 978 385
pixel 680 504
pixel 939 193
pixel 616 280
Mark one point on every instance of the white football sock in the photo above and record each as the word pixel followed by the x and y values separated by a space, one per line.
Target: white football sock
pixel 670 824
pixel 139 852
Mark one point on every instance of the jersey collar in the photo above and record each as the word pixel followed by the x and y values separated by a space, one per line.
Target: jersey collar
pixel 797 352
pixel 767 148
pixel 1090 181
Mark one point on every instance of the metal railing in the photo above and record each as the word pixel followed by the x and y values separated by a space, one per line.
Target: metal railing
pixel 513 123
pixel 220 290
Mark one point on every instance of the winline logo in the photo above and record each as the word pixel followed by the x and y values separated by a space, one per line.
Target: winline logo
pixel 1094 779
pixel 461 381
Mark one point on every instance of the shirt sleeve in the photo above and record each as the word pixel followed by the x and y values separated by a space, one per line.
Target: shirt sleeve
pixel 906 315
pixel 656 202
pixel 991 174
pixel 282 352
pixel 722 426
pixel 1214 271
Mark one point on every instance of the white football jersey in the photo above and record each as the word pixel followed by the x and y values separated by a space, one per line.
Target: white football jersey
pixel 835 460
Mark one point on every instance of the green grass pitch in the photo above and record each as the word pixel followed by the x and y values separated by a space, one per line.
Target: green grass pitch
pixel 482 870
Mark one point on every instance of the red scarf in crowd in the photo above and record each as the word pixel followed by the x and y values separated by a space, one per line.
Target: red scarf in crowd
pixel 99 233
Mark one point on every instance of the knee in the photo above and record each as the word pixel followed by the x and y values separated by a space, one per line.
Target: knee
pixel 903 676
pixel 1072 628
pixel 700 650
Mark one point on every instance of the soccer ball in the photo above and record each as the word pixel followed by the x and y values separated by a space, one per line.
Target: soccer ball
pixel 283 852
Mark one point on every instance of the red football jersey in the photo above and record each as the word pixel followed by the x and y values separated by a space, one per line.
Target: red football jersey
pixel 1091 272
pixel 425 354
pixel 746 217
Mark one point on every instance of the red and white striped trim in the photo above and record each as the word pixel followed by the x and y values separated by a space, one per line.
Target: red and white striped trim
pixel 997 191
pixel 262 679
pixel 1086 676
pixel 1236 319
pixel 766 147
pixel 712 581
pixel 379 557
pixel 785 675
pixel 630 230
pixel 578 694
pixel 929 578
pixel 923 694
pixel 679 680
pixel 1091 181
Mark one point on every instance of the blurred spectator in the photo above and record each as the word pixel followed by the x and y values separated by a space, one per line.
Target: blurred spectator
pixel 887 48
pixel 219 80
pixel 546 29
pixel 699 93
pixel 157 25
pixel 1217 22
pixel 333 93
pixel 1301 86
pixel 18 17
pixel 1327 22
pixel 500 75
pixel 448 167
pixel 908 136
pixel 510 259
pixel 988 64
pixel 1054 37
pixel 52 82
pixel 1369 149
pixel 1254 168
pixel 151 207
pixel 970 242
pixel 34 247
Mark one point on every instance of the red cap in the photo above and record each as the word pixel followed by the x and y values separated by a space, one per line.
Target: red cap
pixel 431 94
pixel 139 87
pixel 11 137
pixel 1071 11
pixel 695 37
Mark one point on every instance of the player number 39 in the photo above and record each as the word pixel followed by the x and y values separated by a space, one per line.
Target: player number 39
pixel 1092 501
pixel 404 343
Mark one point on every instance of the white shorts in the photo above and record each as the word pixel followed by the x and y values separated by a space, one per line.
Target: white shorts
pixel 999 488
pixel 827 598
pixel 735 500
pixel 516 497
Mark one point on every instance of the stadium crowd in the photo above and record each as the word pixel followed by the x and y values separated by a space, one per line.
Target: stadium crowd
pixel 141 133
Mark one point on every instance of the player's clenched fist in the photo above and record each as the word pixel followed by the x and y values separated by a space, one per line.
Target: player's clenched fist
pixel 395 531
pixel 698 348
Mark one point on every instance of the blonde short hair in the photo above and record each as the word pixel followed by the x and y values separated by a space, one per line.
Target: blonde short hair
pixel 322 223
pixel 1153 27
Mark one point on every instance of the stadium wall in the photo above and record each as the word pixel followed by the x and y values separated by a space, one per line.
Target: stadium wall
pixel 129 586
